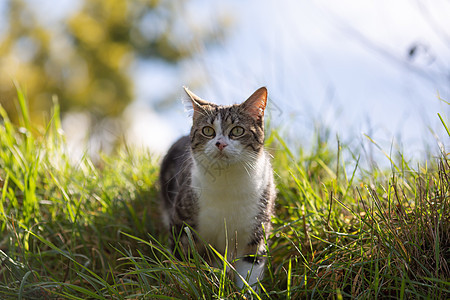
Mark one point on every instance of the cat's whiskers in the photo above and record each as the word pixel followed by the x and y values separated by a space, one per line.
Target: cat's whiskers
pixel 185 165
pixel 245 165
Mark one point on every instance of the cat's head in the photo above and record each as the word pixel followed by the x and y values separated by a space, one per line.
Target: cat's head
pixel 227 134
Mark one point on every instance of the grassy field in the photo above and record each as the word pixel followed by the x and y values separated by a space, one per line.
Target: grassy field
pixel 92 231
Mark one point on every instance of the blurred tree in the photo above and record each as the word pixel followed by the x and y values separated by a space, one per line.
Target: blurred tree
pixel 86 58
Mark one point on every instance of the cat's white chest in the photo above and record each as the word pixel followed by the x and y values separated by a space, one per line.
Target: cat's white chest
pixel 228 207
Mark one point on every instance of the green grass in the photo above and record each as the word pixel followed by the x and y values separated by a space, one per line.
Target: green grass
pixel 92 231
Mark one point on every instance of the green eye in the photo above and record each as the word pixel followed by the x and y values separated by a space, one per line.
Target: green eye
pixel 208 131
pixel 237 131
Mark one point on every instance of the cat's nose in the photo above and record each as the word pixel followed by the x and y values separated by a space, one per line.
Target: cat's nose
pixel 221 144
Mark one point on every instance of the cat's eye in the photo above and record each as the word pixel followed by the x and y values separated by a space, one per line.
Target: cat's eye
pixel 237 131
pixel 208 131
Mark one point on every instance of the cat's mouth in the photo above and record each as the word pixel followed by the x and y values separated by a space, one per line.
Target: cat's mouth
pixel 218 157
pixel 221 155
pixel 214 158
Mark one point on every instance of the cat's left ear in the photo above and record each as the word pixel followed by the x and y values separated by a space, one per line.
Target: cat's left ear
pixel 192 103
pixel 256 104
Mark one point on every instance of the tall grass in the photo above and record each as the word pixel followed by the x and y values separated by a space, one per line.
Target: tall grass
pixel 84 230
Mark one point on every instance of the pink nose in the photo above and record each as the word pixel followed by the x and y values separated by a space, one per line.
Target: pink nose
pixel 221 144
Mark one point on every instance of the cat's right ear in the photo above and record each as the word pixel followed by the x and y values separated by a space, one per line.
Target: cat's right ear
pixel 193 104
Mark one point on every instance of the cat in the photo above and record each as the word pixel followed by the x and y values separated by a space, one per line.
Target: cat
pixel 219 181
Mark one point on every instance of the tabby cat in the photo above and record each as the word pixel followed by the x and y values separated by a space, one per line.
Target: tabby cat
pixel 219 181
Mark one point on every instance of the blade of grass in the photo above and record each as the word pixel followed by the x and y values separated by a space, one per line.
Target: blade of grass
pixel 444 124
pixel 289 280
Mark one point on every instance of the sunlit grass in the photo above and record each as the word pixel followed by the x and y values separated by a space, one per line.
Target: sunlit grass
pixel 84 230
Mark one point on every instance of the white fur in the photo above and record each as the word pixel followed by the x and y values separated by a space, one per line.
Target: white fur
pixel 250 272
pixel 229 192
pixel 227 198
pixel 187 103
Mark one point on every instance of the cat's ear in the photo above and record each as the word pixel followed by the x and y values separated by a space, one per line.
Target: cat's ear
pixel 193 104
pixel 256 104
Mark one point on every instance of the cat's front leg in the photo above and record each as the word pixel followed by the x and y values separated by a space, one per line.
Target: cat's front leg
pixel 250 266
pixel 251 269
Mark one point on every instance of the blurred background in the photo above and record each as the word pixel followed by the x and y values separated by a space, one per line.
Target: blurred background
pixel 341 69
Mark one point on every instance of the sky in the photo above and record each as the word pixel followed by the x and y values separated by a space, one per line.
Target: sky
pixel 339 65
